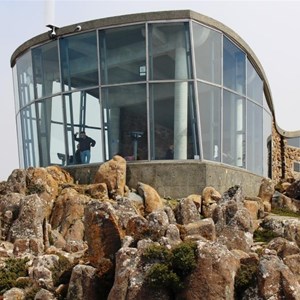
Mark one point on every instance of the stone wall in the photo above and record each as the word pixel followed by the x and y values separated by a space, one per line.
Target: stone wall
pixel 283 158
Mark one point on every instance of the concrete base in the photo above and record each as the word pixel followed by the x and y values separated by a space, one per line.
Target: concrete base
pixel 178 179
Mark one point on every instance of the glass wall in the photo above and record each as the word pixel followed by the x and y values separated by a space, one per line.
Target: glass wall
pixel 147 91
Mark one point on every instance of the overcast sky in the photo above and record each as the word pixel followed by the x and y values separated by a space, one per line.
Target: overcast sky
pixel 270 28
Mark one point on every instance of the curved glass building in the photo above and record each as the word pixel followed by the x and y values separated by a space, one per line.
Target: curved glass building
pixel 151 86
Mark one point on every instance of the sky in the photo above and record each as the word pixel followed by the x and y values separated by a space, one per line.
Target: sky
pixel 270 28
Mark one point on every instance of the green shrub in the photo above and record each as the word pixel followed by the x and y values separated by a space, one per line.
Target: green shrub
pixel 184 258
pixel 161 276
pixel 264 235
pixel 13 269
pixel 157 253
pixel 285 212
pixel 61 271
pixel 246 276
pixel 170 267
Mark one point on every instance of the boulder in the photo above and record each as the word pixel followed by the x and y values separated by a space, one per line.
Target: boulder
pixel 152 200
pixel 67 216
pixel 43 294
pixel 214 275
pixel 83 283
pixel 102 233
pixel 276 280
pixel 16 182
pixel 293 190
pixel 14 294
pixel 266 191
pixel 113 174
pixel 187 212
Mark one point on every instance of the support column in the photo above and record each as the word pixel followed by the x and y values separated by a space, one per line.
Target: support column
pixel 114 131
pixel 180 104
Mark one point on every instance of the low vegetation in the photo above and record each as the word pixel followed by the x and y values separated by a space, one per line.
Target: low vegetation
pixel 170 267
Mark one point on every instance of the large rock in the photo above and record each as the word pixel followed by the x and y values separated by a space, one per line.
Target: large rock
pixel 102 234
pixel 214 275
pixel 204 228
pixel 152 200
pixel 29 223
pixel 293 191
pixel 275 280
pixel 210 198
pixel 16 182
pixel 14 294
pixel 67 217
pixel 187 212
pixel 83 283
pixel 266 191
pixel 113 174
pixel 286 227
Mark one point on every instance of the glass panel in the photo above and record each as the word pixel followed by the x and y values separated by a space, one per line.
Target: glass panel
pixel 83 113
pixel 51 132
pixel 24 79
pixel 207 47
pixel 20 143
pixel 234 66
pixel 233 129
pixel 123 54
pixel 46 70
pixel 79 61
pixel 266 105
pixel 210 119
pixel 254 138
pixel 173 125
pixel 254 84
pixel 294 142
pixel 169 50
pixel 125 120
pixel 29 136
pixel 16 89
pixel 267 142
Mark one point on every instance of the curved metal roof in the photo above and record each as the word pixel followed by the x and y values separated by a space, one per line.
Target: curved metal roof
pixel 159 16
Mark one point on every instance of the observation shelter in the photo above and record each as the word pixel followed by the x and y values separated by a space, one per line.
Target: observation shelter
pixel 170 90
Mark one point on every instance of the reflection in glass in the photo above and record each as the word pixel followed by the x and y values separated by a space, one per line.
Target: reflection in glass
pixel 79 61
pixel 210 119
pixel 207 47
pixel 123 54
pixel 234 67
pixel 254 138
pixel 254 84
pixel 172 122
pixel 169 51
pixel 29 135
pixel 83 113
pixel 20 142
pixel 25 79
pixel 125 121
pixel 46 70
pixel 233 129
pixel 267 142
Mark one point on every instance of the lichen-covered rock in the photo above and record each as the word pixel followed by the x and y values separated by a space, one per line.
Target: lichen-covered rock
pixel 293 190
pixel 283 226
pixel 214 275
pixel 67 216
pixel 43 294
pixel 102 232
pixel 204 228
pixel 158 223
pixel 83 283
pixel 16 182
pixel 275 279
pixel 113 174
pixel 152 200
pixel 14 294
pixel 29 223
pixel 283 247
pixel 187 212
pixel 266 191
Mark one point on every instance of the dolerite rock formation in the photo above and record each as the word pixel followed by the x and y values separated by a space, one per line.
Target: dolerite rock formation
pixel 61 240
